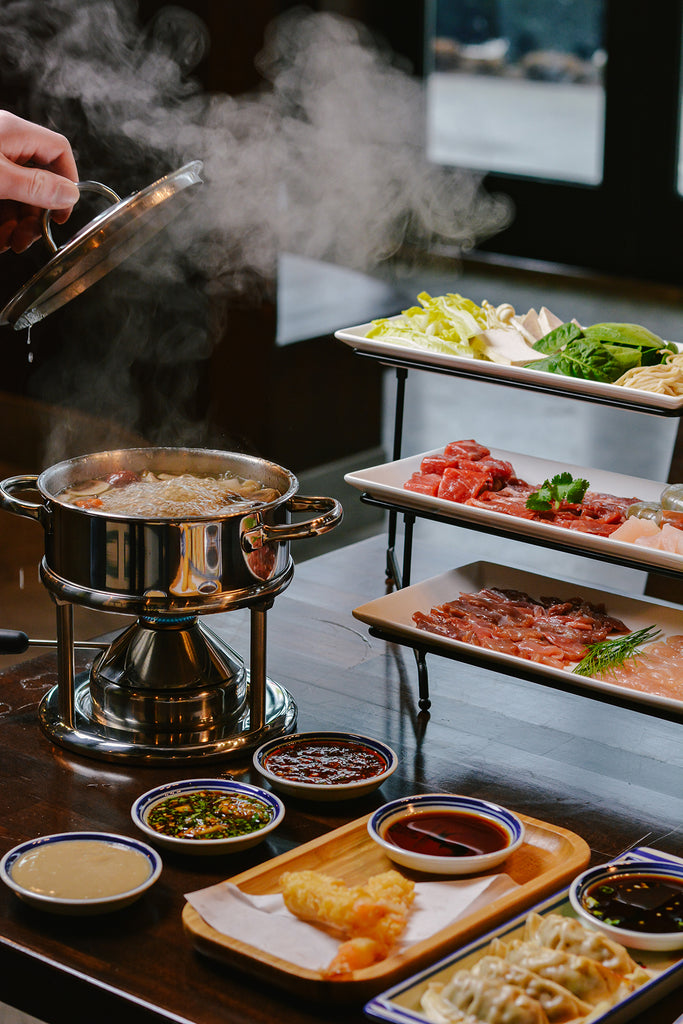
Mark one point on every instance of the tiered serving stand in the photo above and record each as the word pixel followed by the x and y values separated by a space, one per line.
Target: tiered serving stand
pixel 398 565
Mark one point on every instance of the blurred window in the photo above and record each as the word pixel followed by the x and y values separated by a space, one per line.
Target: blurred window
pixel 517 87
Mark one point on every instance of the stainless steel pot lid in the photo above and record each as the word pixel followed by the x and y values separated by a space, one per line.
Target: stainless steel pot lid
pixel 101 245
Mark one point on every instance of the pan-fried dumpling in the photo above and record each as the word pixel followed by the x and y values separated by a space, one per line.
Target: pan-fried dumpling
pixel 439 1010
pixel 486 1000
pixel 560 932
pixel 558 1002
pixel 585 978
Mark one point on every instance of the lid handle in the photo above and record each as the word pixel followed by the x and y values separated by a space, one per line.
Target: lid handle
pixel 83 186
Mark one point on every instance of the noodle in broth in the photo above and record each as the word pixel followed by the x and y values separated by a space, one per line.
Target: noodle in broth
pixel 167 495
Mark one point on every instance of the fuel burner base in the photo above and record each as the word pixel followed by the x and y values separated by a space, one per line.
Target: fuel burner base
pixel 167 688
pixel 92 738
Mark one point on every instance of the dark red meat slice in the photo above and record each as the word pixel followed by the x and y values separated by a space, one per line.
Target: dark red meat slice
pixel 549 631
pixel 438 463
pixel 467 449
pixel 461 484
pixel 423 483
pixel 499 471
pixel 510 499
pixel 467 474
pixel 122 477
pixel 606 504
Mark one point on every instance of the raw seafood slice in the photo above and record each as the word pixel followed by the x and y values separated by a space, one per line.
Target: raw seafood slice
pixel 658 670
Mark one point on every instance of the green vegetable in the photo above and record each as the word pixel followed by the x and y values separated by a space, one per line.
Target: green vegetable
pixel 602 352
pixel 588 360
pixel 610 654
pixel 562 489
pixel 624 334
pixel 447 323
pixel 556 339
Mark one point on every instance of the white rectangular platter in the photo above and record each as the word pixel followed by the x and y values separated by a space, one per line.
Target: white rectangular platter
pixel 385 482
pixel 401 1004
pixel 393 613
pixel 356 338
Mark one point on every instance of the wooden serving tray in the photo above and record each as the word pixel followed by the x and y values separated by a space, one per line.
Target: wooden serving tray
pixel 547 860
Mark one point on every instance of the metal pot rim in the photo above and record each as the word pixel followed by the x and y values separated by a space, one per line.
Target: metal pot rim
pixel 146 457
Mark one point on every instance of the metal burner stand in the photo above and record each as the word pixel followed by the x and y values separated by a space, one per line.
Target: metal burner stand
pixel 167 688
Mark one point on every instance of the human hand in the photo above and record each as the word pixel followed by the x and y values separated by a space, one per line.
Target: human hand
pixel 37 172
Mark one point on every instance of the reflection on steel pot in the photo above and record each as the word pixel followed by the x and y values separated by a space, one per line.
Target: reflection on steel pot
pixel 188 563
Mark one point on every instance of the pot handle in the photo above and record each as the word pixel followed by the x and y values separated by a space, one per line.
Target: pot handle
pixel 331 515
pixel 28 509
pixel 83 186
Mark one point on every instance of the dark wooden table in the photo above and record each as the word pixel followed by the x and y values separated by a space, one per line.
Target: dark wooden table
pixel 612 775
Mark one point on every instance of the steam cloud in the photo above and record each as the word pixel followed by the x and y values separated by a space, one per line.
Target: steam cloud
pixel 327 161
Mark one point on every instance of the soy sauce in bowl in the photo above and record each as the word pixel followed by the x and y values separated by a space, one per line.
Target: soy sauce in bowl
pixel 447 834
pixel 638 902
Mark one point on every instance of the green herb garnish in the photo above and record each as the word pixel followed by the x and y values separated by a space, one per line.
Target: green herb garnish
pixel 610 654
pixel 563 489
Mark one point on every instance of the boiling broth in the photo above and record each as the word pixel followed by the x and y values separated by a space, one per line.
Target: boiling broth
pixel 167 495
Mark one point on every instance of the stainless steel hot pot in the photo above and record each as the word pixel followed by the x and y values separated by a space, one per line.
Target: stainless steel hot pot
pixel 123 562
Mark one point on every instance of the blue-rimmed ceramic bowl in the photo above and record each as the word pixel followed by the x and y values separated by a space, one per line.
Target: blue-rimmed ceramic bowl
pixel 457 825
pixel 57 862
pixel 144 805
pixel 302 765
pixel 648 875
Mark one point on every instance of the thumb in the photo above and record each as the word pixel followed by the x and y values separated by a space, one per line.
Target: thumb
pixel 36 187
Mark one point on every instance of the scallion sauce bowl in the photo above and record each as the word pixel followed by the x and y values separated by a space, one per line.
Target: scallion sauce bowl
pixel 145 804
pixel 605 875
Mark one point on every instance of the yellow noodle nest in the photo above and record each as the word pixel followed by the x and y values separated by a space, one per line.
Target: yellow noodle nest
pixel 664 379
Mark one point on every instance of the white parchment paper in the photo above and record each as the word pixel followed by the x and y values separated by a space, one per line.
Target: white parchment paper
pixel 265 922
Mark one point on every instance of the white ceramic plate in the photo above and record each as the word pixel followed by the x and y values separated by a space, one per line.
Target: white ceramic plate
pixel 357 338
pixel 79 907
pixel 201 847
pixel 325 791
pixel 401 1003
pixel 394 613
pixel 386 481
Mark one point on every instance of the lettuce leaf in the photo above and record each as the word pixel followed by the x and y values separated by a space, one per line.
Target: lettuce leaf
pixel 447 323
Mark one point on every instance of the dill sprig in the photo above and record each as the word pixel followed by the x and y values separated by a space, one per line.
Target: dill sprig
pixel 610 654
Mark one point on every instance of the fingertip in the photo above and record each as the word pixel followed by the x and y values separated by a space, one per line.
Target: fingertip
pixel 25 234
pixel 66 194
pixel 7 229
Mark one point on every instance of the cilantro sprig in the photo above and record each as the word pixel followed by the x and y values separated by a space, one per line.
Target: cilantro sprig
pixel 563 489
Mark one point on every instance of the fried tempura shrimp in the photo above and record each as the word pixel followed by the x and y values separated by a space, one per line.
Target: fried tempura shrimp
pixel 372 916
pixel 353 955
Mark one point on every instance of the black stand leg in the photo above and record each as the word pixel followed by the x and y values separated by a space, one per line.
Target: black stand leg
pixel 424 701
